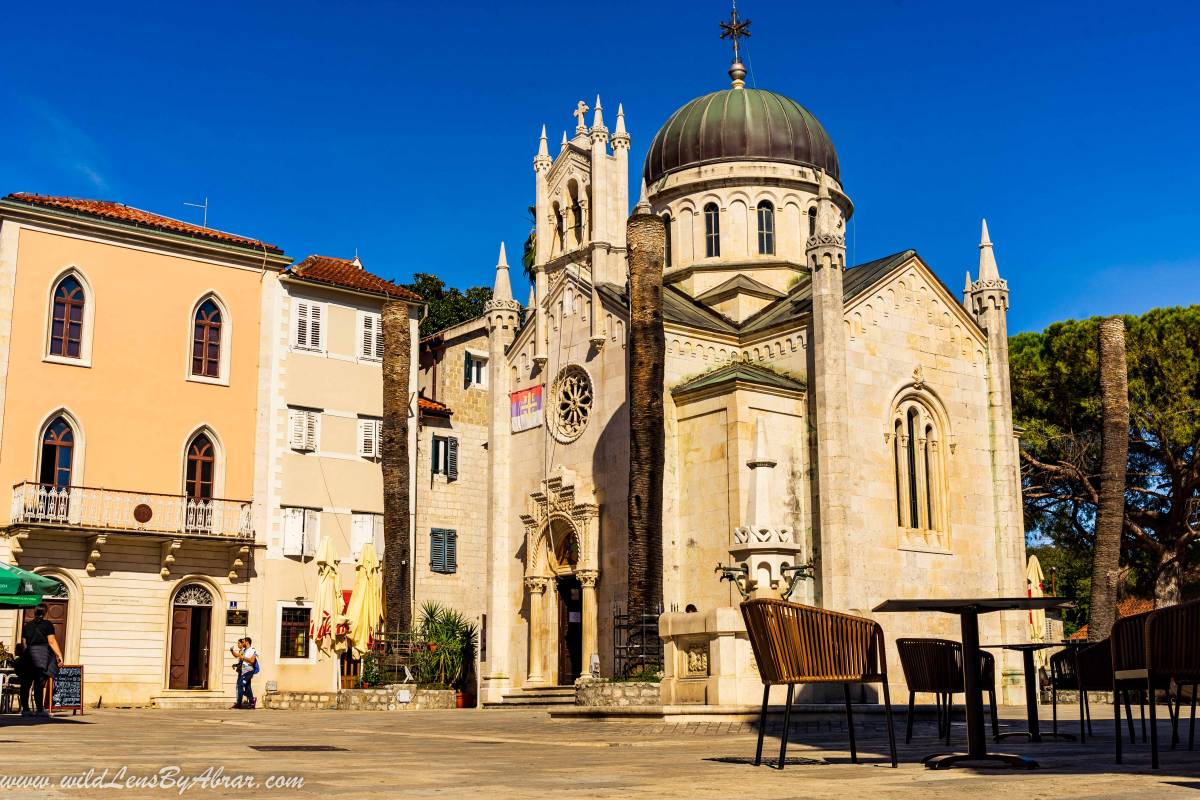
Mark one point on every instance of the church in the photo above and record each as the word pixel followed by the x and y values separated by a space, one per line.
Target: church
pixel 855 417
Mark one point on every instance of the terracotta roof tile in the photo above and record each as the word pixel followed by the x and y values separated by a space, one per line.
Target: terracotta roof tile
pixel 1125 608
pixel 433 407
pixel 348 274
pixel 107 209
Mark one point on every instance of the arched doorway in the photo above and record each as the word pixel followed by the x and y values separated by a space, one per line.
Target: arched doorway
pixel 564 561
pixel 191 637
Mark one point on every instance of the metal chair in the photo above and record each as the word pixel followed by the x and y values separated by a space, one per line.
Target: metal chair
pixel 935 666
pixel 798 644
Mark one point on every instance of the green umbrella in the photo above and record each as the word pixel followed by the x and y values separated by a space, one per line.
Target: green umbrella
pixel 20 588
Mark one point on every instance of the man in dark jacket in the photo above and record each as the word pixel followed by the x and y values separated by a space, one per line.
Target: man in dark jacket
pixel 45 656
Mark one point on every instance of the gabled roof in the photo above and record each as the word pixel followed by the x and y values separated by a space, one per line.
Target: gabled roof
pixel 348 274
pixel 739 284
pixel 798 303
pixel 118 212
pixel 740 371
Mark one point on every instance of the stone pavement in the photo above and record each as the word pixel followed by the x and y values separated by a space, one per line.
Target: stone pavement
pixel 496 754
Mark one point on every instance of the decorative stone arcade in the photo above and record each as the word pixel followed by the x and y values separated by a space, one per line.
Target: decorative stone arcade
pixel 562 548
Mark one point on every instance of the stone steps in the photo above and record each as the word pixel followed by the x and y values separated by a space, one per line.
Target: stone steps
pixel 549 697
pixel 183 701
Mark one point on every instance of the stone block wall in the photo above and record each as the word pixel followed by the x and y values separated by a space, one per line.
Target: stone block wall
pixel 359 700
pixel 592 692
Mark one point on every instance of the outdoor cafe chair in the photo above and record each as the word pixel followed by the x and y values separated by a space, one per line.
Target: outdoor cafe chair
pixel 935 666
pixel 1084 669
pixel 797 644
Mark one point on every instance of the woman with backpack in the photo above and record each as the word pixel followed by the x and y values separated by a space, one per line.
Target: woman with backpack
pixel 247 667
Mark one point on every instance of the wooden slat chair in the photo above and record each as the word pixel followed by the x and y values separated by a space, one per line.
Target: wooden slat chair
pixel 798 644
pixel 935 666
pixel 1130 674
pixel 1152 650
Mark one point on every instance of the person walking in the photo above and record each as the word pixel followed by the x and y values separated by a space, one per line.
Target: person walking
pixel 45 657
pixel 247 665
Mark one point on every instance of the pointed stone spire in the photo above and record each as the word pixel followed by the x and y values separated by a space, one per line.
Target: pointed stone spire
pixel 620 130
pixel 502 290
pixel 598 119
pixel 758 506
pixel 643 205
pixel 563 146
pixel 967 285
pixel 532 296
pixel 542 150
pixel 987 259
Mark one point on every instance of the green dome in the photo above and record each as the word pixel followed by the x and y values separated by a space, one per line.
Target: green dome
pixel 740 125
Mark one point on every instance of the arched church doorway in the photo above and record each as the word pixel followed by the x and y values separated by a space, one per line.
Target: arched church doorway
pixel 191 634
pixel 570 629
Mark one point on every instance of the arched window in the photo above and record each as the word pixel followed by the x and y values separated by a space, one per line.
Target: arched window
pixel 712 231
pixel 66 323
pixel 200 469
pixel 920 476
pixel 812 222
pixel 766 228
pixel 206 340
pixel 666 218
pixel 58 453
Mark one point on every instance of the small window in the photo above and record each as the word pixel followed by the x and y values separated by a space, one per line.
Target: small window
pixel 66 323
pixel 201 463
pixel 301 529
pixel 370 336
pixel 304 429
pixel 666 218
pixel 812 222
pixel 206 341
pixel 474 371
pixel 308 329
pixel 445 457
pixel 294 623
pixel 766 229
pixel 370 438
pixel 366 528
pixel 712 231
pixel 443 550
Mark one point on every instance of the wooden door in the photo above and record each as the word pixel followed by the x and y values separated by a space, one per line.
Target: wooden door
pixel 181 639
pixel 198 655
pixel 570 630
pixel 56 615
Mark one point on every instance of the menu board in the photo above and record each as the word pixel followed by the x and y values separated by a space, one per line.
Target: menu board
pixel 66 689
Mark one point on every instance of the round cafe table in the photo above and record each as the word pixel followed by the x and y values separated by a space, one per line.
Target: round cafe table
pixel 1034 730
pixel 968 611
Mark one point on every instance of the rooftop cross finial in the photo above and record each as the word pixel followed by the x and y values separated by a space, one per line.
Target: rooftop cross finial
pixel 579 113
pixel 735 29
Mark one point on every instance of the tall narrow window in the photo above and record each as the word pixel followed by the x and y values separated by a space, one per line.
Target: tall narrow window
pixel 930 476
pixel 577 223
pixel 812 222
pixel 766 228
pixel 66 324
pixel 712 231
pixel 666 218
pixel 201 464
pixel 206 341
pixel 58 450
pixel 913 497
pixel 898 455
pixel 921 475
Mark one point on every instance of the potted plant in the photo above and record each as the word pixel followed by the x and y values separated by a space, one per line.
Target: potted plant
pixel 450 641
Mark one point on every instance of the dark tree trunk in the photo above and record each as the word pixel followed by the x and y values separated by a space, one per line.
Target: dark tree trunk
pixel 647 355
pixel 397 371
pixel 1114 453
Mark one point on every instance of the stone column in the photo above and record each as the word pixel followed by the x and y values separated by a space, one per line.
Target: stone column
pixel 587 580
pixel 537 633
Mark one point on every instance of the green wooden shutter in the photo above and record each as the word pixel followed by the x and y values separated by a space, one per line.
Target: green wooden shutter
pixel 452 458
pixel 451 551
pixel 466 370
pixel 437 550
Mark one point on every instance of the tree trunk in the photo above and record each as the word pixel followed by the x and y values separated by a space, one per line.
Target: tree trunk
pixel 1168 580
pixel 647 356
pixel 1114 454
pixel 397 371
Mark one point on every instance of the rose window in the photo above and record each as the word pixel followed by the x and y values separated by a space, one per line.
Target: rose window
pixel 572 403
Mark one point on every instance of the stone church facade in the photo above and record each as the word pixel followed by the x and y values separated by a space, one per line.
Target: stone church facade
pixel 883 397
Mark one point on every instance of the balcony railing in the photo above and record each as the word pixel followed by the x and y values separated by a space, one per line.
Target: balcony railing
pixel 112 509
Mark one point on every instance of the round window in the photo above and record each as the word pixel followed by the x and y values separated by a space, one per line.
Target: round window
pixel 572 395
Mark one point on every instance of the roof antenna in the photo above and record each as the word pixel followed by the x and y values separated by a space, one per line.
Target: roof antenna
pixel 204 206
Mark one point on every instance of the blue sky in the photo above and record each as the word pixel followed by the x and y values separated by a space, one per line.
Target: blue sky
pixel 407 130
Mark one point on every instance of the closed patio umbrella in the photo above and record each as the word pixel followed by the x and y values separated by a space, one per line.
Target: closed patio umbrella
pixel 365 610
pixel 1037 619
pixel 326 607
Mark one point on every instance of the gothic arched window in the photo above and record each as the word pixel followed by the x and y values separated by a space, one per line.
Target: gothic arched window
pixel 206 340
pixel 58 452
pixel 666 218
pixel 201 466
pixel 812 222
pixel 66 323
pixel 712 231
pixel 766 228
pixel 920 474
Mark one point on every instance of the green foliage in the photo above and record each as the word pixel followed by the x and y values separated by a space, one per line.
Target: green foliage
pixel 1056 399
pixel 447 306
pixel 446 644
pixel 529 254
pixel 370 674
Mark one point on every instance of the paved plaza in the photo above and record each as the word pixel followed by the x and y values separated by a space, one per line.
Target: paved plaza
pixel 525 754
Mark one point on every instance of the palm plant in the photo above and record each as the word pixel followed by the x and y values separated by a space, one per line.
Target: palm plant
pixel 448 643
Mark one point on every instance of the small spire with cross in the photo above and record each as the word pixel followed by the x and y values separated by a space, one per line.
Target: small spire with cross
pixel 579 113
pixel 735 29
